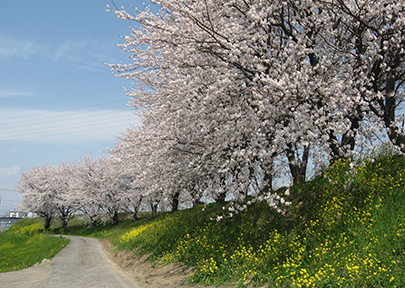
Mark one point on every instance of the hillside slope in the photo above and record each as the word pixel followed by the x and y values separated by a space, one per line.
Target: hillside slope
pixel 345 228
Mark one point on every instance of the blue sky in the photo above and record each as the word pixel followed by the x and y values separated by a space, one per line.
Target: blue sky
pixel 58 101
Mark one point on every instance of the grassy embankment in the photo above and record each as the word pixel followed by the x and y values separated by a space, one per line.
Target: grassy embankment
pixel 336 235
pixel 24 245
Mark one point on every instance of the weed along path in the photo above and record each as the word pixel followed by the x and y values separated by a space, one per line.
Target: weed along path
pixel 80 264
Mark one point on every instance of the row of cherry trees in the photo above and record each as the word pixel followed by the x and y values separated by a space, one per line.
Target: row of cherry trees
pixel 95 187
pixel 233 93
pixel 237 94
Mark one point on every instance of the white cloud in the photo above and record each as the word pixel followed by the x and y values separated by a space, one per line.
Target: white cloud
pixel 22 48
pixel 70 50
pixel 73 126
pixel 95 66
pixel 16 93
pixel 9 171
pixel 78 53
pixel 10 47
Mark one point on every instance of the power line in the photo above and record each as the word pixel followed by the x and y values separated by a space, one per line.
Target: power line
pixel 58 134
pixel 68 123
pixel 46 126
pixel 5 200
pixel 62 110
pixel 57 116
pixel 5 189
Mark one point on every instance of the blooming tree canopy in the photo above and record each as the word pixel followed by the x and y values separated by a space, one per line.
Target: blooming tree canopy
pixel 231 94
pixel 46 191
pixel 235 87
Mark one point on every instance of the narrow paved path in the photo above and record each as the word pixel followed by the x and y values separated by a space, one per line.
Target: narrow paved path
pixel 81 264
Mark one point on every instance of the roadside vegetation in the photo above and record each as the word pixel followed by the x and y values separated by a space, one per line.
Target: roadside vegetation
pixel 233 99
pixel 345 228
pixel 24 244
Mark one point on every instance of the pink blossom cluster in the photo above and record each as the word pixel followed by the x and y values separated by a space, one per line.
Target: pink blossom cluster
pixel 236 96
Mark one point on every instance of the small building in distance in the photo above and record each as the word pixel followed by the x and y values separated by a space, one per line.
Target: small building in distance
pixel 18 214
pixel 7 221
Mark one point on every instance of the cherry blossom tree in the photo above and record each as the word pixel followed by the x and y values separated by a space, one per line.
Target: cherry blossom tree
pixel 137 152
pixel 91 201
pixel 231 92
pixel 211 105
pixel 131 192
pixel 302 75
pixel 47 191
pixel 66 199
pixel 37 194
pixel 94 186
pixel 371 35
pixel 102 188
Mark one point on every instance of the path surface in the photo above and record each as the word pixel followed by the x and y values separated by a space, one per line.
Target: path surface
pixel 81 264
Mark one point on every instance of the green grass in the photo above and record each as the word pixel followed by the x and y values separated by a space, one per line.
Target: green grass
pixel 335 234
pixel 23 245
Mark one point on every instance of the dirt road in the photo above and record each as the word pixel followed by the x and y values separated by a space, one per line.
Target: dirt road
pixel 81 264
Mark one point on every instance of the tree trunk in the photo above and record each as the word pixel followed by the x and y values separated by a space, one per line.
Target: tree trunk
pixel 298 168
pixel 345 148
pixel 196 202
pixel 396 137
pixel 220 200
pixel 114 218
pixel 136 205
pixel 134 215
pixel 154 209
pixel 65 222
pixel 268 176
pixel 47 224
pixel 195 196
pixel 175 201
pixel 93 220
